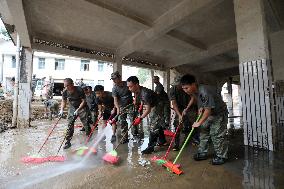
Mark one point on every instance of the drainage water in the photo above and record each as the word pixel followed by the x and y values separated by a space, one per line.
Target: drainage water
pixel 57 170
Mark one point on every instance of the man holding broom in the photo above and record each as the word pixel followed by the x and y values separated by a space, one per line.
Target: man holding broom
pixel 77 107
pixel 149 99
pixel 185 108
pixel 213 122
pixel 122 97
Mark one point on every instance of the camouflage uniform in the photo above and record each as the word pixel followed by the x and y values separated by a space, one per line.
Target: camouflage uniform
pixel 53 107
pixel 149 97
pixel 75 100
pixel 124 98
pixel 182 99
pixel 163 97
pixel 214 127
pixel 93 107
pixel 107 102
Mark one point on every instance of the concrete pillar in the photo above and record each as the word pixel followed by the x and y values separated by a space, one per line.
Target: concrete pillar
pixel 255 73
pixel 16 85
pixel 25 90
pixel 167 79
pixel 152 76
pixel 1 68
pixel 117 65
pixel 230 102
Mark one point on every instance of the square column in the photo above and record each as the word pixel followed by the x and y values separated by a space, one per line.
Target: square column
pixel 117 65
pixel 255 73
pixel 25 91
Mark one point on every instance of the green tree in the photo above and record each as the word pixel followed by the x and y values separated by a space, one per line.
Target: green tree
pixel 4 34
pixel 143 75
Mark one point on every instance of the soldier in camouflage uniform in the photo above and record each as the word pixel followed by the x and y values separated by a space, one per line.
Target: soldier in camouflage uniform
pixel 122 97
pixel 78 107
pixel 213 122
pixel 93 107
pixel 185 108
pixel 162 95
pixel 153 107
pixel 51 108
pixel 104 100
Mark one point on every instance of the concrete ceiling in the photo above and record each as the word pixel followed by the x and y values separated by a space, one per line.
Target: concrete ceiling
pixel 183 34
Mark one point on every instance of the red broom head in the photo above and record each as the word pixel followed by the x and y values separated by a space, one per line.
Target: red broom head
pixel 31 159
pixel 110 158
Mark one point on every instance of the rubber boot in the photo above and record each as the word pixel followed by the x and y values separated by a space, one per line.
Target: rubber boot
pixel 152 142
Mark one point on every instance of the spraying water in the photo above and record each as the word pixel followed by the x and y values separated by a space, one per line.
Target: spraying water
pixel 98 139
pixel 59 170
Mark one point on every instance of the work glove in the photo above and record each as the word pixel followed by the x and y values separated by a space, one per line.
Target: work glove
pixel 60 114
pixel 137 121
pixel 76 112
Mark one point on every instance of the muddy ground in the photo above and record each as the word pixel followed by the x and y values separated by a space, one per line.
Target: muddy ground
pixel 246 168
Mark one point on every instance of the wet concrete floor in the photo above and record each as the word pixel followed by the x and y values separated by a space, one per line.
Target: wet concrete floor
pixel 246 168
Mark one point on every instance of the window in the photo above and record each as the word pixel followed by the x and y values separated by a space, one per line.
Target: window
pixel 100 66
pixel 101 82
pixel 41 63
pixel 59 64
pixel 85 65
pixel 13 61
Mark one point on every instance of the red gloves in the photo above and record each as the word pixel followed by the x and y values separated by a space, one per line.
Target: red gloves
pixel 137 121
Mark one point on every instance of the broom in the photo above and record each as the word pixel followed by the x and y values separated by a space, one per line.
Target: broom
pixel 84 149
pixel 112 157
pixel 172 166
pixel 163 161
pixel 37 158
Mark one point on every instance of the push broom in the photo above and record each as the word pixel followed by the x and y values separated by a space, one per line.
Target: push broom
pixel 84 149
pixel 37 158
pixel 112 156
pixel 172 166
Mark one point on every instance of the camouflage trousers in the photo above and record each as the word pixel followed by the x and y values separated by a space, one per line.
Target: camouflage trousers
pixel 84 117
pixel 123 122
pixel 166 114
pixel 156 125
pixel 214 128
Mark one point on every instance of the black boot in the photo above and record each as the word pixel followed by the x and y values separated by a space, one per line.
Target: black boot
pixel 200 156
pixel 67 145
pixel 152 142
pixel 148 150
pixel 218 160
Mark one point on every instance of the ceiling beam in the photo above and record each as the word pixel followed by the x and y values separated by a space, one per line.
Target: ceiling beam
pixel 195 44
pixel 212 51
pixel 119 11
pixel 176 35
pixel 164 24
pixel 17 12
pixel 218 66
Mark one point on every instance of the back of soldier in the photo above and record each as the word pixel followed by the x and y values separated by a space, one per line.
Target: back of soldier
pixel 123 94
